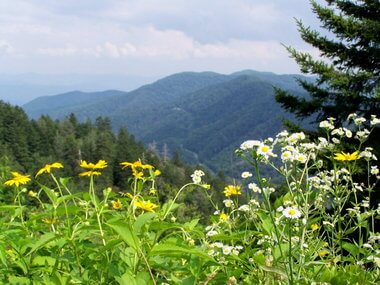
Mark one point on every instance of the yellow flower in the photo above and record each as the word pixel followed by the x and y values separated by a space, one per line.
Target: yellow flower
pixel 18 179
pixel 49 221
pixel 314 227
pixel 137 168
pixel 47 168
pixel 347 156
pixel 152 191
pixel 224 217
pixel 99 165
pixel 157 172
pixel 323 252
pixel 231 190
pixel 32 194
pixel 136 164
pixel 145 205
pixel 117 205
pixel 92 167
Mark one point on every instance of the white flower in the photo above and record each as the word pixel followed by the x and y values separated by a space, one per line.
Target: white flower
pixel 196 179
pixel 291 213
pixel 300 157
pixel 246 174
pixel 227 249
pixel 286 155
pixel 326 125
pixel 249 144
pixel 348 133
pixel 244 208
pixel 199 173
pixel 228 203
pixel 374 170
pixel 359 120
pixel 254 187
pixel 211 233
pixel 374 120
pixel 265 150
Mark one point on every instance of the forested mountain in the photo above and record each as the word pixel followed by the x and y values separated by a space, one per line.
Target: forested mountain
pixel 203 115
pixel 27 145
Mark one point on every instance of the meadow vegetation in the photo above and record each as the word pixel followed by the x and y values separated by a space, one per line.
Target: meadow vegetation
pixel 317 227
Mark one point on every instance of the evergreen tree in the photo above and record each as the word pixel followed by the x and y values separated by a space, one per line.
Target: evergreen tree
pixel 348 73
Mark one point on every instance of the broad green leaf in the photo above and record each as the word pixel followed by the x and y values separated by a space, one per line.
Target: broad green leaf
pixel 18 280
pixel 50 193
pixel 126 233
pixel 142 220
pixel 42 241
pixel 351 248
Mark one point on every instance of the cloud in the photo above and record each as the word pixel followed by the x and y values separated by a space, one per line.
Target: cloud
pixel 5 48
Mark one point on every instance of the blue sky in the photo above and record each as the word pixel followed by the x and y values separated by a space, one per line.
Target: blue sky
pixel 149 37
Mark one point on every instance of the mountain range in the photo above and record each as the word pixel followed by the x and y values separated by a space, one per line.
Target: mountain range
pixel 204 116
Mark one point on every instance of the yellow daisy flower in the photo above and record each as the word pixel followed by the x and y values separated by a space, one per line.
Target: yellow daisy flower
pixel 18 179
pixel 231 190
pixel 347 156
pixel 145 205
pixel 92 167
pixel 47 168
pixel 117 205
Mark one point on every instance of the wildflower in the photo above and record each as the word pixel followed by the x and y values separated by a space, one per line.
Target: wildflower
pixel 152 191
pixel 157 172
pixel 300 157
pixel 374 170
pixel 18 179
pixel 47 168
pixel 254 187
pixel 117 205
pixel 211 233
pixel 49 221
pixel 227 249
pixel 265 150
pixel 224 217
pixel 244 208
pixel 231 190
pixel 291 213
pixel 326 125
pixel 286 155
pixel 374 120
pixel 32 194
pixel 323 252
pixel 228 203
pixel 92 167
pixel 314 227
pixel 145 205
pixel 249 144
pixel 137 168
pixel 246 174
pixel 347 156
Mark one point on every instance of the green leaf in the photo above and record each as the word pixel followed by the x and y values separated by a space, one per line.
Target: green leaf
pixel 126 233
pixel 50 193
pixel 172 249
pixel 42 241
pixel 351 248
pixel 142 220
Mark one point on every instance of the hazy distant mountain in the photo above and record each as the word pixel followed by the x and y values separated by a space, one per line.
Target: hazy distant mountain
pixel 21 88
pixel 204 115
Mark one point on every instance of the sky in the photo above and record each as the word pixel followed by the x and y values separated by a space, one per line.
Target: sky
pixel 150 38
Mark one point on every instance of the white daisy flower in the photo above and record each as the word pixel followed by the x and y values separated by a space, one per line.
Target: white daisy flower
pixel 246 174
pixel 291 213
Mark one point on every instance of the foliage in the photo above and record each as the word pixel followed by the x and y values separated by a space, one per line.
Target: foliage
pixel 348 69
pixel 319 230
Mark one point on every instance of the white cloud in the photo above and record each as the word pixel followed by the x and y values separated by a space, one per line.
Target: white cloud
pixel 5 47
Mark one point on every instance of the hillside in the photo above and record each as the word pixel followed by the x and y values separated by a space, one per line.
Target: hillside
pixel 203 115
